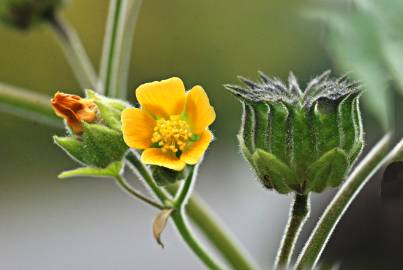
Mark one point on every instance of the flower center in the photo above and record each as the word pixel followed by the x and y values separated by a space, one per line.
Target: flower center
pixel 171 135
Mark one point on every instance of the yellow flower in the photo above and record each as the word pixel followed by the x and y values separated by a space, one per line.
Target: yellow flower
pixel 171 126
pixel 74 109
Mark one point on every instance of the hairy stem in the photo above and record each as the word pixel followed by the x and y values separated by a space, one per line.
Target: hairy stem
pixel 126 187
pixel 355 182
pixel 219 236
pixel 122 19
pixel 178 218
pixel 27 104
pixel 298 214
pixel 75 53
pixel 177 215
pixel 146 176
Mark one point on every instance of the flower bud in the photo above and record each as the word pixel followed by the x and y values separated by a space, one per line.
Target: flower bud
pixel 296 140
pixel 74 109
pixel 99 141
pixel 24 14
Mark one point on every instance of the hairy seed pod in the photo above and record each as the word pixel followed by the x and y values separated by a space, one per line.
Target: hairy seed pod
pixel 100 142
pixel 300 141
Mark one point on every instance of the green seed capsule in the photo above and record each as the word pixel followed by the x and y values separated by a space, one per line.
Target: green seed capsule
pixel 300 141
pixel 101 142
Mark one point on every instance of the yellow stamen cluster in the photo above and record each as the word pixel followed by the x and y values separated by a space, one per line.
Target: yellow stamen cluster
pixel 171 135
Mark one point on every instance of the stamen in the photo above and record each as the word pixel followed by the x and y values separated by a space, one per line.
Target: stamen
pixel 172 135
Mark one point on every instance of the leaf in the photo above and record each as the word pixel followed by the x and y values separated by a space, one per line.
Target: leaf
pixel 356 41
pixel 111 170
pixel 160 223
pixel 273 170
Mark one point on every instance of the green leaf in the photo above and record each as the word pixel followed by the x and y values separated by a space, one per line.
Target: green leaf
pixel 329 170
pixel 271 169
pixel 111 170
pixel 356 41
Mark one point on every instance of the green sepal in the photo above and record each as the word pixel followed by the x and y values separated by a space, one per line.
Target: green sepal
pixel 109 109
pixel 326 126
pixel 279 131
pixel 97 147
pixel 247 132
pixel 329 170
pixel 272 170
pixel 261 133
pixel 302 141
pixel 248 157
pixel 346 123
pixel 164 176
pixel 358 128
pixel 112 170
pixel 103 145
pixel 72 147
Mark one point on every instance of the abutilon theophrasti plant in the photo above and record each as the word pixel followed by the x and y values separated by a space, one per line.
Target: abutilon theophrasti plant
pixel 299 140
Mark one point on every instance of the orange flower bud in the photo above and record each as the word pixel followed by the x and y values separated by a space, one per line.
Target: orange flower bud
pixel 74 109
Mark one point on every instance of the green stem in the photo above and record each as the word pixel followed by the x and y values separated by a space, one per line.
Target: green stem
pixel 110 41
pixel 183 228
pixel 177 215
pixel 179 219
pixel 122 18
pixel 125 37
pixel 298 214
pixel 28 104
pixel 74 52
pixel 219 236
pixel 355 182
pixel 186 189
pixel 123 184
pixel 146 176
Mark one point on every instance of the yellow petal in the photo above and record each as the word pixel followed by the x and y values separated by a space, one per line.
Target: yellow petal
pixel 137 127
pixel 193 154
pixel 162 98
pixel 155 156
pixel 198 109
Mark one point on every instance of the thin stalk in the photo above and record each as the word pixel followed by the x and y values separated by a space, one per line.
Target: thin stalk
pixel 148 179
pixel 298 214
pixel 74 51
pixel 122 19
pixel 27 104
pixel 219 236
pixel 125 37
pixel 125 186
pixel 186 189
pixel 178 216
pixel 110 40
pixel 183 229
pixel 355 182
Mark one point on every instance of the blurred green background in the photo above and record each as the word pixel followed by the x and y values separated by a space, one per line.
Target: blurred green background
pixel 46 223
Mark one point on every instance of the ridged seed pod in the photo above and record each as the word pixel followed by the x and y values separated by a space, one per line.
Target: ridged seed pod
pixel 300 141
